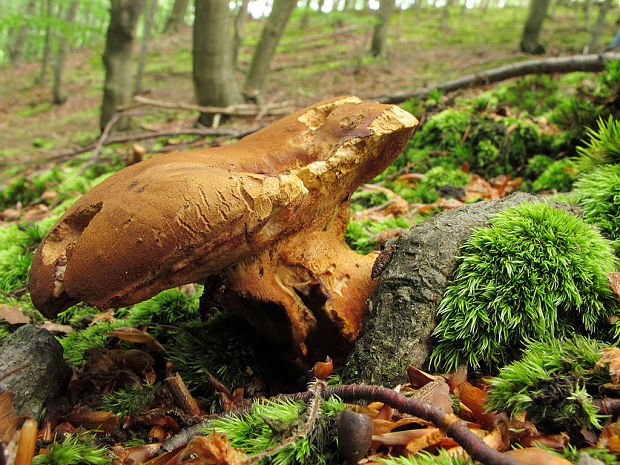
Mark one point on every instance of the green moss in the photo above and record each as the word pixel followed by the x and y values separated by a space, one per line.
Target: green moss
pixel 559 175
pixel 554 382
pixel 168 307
pixel 270 423
pixel 598 193
pixel 127 400
pixel 439 176
pixel 76 343
pixel 536 272
pixel 78 448
pixel 425 458
pixel 602 146
pixel 363 235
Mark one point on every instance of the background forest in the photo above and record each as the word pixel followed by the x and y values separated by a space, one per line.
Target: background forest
pixel 512 96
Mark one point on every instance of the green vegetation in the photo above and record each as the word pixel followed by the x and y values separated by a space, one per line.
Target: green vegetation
pixel 168 307
pixel 77 448
pixel 602 146
pixel 363 235
pixel 425 458
pixel 129 400
pixel 554 382
pixel 598 192
pixel 271 422
pixel 536 272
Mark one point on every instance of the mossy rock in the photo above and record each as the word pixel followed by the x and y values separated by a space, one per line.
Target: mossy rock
pixel 403 310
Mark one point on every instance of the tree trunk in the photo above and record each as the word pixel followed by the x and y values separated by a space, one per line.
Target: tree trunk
pixel 213 74
pixel 266 47
pixel 533 26
pixel 600 23
pixel 445 14
pixel 117 58
pixel 379 36
pixel 149 19
pixel 240 19
pixel 177 17
pixel 47 47
pixel 588 15
pixel 58 93
pixel 17 51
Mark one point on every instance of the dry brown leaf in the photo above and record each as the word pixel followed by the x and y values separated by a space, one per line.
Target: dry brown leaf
pixel 475 399
pixel 26 443
pixel 436 393
pixel 385 426
pixel 551 441
pixel 323 370
pixel 430 439
pixel 56 328
pixel 13 315
pixel 611 356
pixel 100 420
pixel 139 336
pixel 214 449
pixel 419 378
pixel 614 282
pixel 402 438
pixel 9 421
pixel 536 456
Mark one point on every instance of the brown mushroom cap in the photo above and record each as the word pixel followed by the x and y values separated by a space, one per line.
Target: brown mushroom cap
pixel 180 217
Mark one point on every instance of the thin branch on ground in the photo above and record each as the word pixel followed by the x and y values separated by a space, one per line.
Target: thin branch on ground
pixel 567 64
pixel 282 108
pixel 449 423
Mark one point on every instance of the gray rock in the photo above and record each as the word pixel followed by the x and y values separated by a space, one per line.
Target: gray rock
pixel 403 310
pixel 586 459
pixel 43 378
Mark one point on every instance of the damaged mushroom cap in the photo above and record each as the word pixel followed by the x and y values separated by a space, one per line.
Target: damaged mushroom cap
pixel 180 217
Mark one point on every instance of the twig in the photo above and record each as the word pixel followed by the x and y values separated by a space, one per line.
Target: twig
pixel 315 389
pixel 449 423
pixel 567 64
pixel 232 110
pixel 104 135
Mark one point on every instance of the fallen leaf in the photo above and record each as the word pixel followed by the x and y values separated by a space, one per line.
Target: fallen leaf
pixel 430 439
pixel 614 282
pixel 13 315
pixel 611 356
pixel 402 438
pixel 536 456
pixel 214 449
pixel 436 393
pixel 419 378
pixel 56 328
pixel 323 370
pixel 139 336
pixel 104 421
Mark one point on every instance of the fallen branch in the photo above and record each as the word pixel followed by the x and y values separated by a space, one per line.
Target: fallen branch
pixel 325 35
pixel 449 423
pixel 282 108
pixel 568 64
pixel 232 133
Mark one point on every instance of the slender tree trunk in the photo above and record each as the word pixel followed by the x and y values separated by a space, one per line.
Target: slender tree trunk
pixel 588 15
pixel 17 51
pixel 117 58
pixel 47 47
pixel 533 26
pixel 379 36
pixel 58 92
pixel 305 19
pixel 177 17
pixel 600 23
pixel 266 47
pixel 149 19
pixel 214 78
pixel 240 20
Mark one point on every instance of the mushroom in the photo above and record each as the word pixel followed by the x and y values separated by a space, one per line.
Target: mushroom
pixel 268 211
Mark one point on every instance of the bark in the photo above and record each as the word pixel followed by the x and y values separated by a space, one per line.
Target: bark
pixel 445 14
pixel 240 20
pixel 588 14
pixel 266 47
pixel 177 17
pixel 17 51
pixel 213 75
pixel 379 37
pixel 47 46
pixel 117 58
pixel 149 19
pixel 569 64
pixel 600 23
pixel 403 311
pixel 58 92
pixel 533 26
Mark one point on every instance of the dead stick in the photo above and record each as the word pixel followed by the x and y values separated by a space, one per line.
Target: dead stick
pixel 449 423
pixel 567 64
